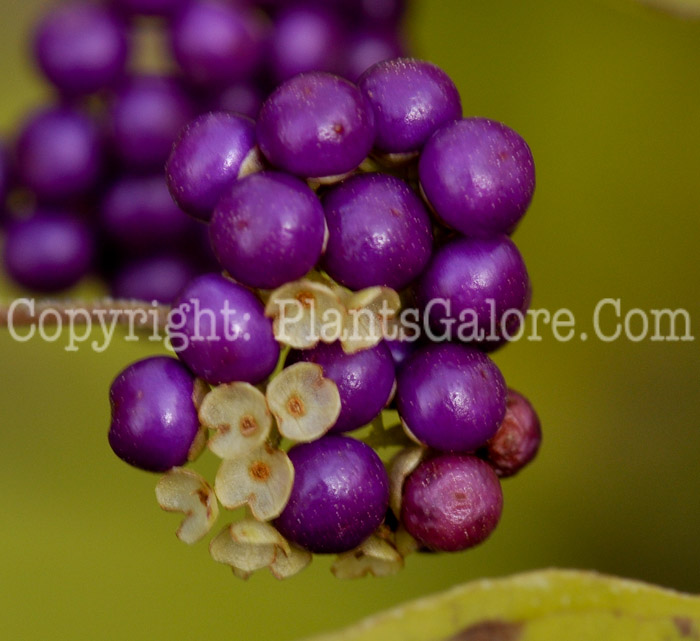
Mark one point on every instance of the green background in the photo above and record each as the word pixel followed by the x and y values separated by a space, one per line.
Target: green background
pixel 608 96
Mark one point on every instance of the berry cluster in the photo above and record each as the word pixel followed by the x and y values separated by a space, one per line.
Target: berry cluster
pixel 330 216
pixel 88 192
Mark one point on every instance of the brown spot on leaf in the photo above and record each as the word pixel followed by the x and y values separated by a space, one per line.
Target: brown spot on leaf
pixel 260 471
pixel 248 425
pixel 686 628
pixel 295 406
pixel 490 631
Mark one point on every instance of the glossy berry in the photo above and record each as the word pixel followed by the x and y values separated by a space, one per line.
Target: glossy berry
pixel 268 229
pixel 401 350
pixel 159 277
pixel 451 502
pixel 145 116
pixel 481 285
pixel 59 154
pixel 216 43
pixel 365 380
pixel 304 38
pixel 452 398
pixel 207 158
pixel 340 495
pixel 411 99
pixel 518 438
pixel 379 232
pixel 49 252
pixel 219 330
pixel 137 214
pixel 154 420
pixel 478 175
pixel 80 47
pixel 316 125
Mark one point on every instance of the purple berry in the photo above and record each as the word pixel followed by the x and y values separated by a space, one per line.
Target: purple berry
pixel 59 154
pixel 401 350
pixel 518 438
pixel 479 176
pixel 339 498
pixel 411 99
pixel 268 230
pixel 316 125
pixel 451 502
pixel 5 177
pixel 145 117
pixel 207 158
pixel 80 47
pixel 305 38
pixel 379 232
pixel 138 214
pixel 451 397
pixel 366 48
pixel 154 420
pixel 481 285
pixel 365 380
pixel 48 252
pixel 219 330
pixel 216 43
pixel 160 278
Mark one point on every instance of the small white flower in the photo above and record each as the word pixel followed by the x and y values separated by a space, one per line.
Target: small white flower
pixel 371 314
pixel 305 404
pixel 400 468
pixel 305 313
pixel 247 546
pixel 289 564
pixel 261 479
pixel 375 556
pixel 238 413
pixel 181 490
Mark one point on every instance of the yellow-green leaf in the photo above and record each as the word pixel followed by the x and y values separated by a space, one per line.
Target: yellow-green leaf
pixel 549 605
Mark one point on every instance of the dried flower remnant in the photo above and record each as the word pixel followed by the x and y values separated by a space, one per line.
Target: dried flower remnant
pixel 185 491
pixel 375 557
pixel 261 479
pixel 305 404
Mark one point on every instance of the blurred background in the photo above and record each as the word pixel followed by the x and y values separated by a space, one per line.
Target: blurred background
pixel 607 93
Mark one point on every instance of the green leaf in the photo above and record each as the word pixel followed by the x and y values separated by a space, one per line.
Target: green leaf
pixel 549 605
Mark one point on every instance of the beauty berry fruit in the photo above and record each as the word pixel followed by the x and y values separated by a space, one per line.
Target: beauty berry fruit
pixel 316 125
pixel 207 158
pixel 451 502
pixel 379 232
pixel 339 497
pixel 475 290
pixel 479 176
pixel 154 420
pixel 219 330
pixel 518 438
pixel 450 397
pixel 410 99
pixel 268 229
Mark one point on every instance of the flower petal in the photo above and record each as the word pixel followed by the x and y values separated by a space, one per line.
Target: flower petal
pixel 305 404
pixel 261 479
pixel 239 415
pixel 287 565
pixel 375 556
pixel 400 468
pixel 181 490
pixel 304 313
pixel 371 314
pixel 247 545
